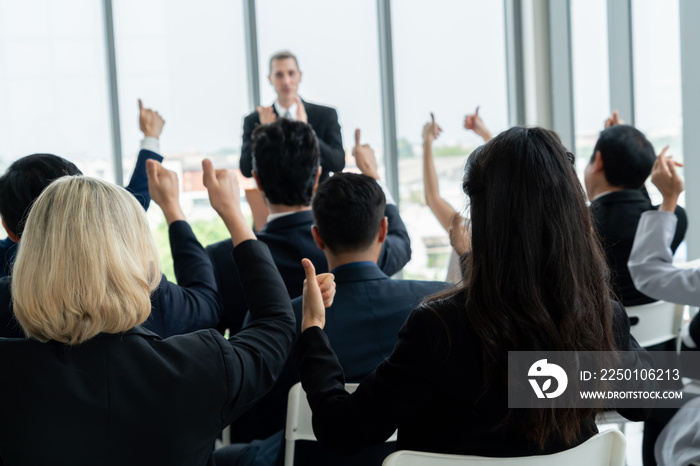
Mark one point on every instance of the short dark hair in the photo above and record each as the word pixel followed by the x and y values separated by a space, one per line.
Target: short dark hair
pixel 286 159
pixel 348 209
pixel 283 55
pixel 628 156
pixel 24 180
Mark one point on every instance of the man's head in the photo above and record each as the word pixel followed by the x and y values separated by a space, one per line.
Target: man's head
pixel 348 214
pixel 286 162
pixel 22 183
pixel 622 159
pixel 285 76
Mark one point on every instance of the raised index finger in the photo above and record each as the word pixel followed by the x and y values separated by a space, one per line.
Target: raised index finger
pixel 357 137
pixel 140 105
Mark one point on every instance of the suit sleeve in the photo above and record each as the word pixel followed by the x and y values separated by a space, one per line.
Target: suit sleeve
pixel 138 184
pixel 399 386
pixel 331 145
pixel 246 160
pixel 258 352
pixel 194 303
pixel 396 251
pixel 651 262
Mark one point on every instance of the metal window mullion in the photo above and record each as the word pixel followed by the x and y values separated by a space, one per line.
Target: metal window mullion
pixel 514 62
pixel 561 71
pixel 113 93
pixel 690 75
pixel 621 58
pixel 386 67
pixel 251 45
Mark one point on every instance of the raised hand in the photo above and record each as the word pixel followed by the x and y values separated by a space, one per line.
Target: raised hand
pixel 365 158
pixel 225 198
pixel 163 189
pixel 150 122
pixel 431 130
pixel 326 283
pixel 313 308
pixel 666 178
pixel 614 119
pixel 301 111
pixel 459 235
pixel 267 115
pixel 474 123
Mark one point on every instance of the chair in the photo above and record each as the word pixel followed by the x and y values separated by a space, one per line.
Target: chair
pixel 604 449
pixel 655 323
pixel 299 420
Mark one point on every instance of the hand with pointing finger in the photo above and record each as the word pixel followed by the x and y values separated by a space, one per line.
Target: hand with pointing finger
pixel 163 189
pixel 364 157
pixel 431 130
pixel 301 111
pixel 267 115
pixel 666 178
pixel 150 122
pixel 614 120
pixel 474 123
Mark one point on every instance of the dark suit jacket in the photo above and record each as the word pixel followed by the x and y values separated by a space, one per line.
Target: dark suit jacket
pixel 135 399
pixel 430 388
pixel 192 305
pixel 323 120
pixel 616 216
pixel 289 239
pixel 368 310
pixel 138 186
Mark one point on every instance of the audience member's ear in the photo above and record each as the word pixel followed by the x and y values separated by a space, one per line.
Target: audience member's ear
pixel 10 235
pixel 598 162
pixel 317 238
pixel 257 181
pixel 383 228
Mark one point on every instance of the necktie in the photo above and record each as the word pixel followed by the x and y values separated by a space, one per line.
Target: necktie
pixel 287 115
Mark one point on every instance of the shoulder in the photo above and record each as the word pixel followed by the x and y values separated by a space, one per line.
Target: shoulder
pixel 319 109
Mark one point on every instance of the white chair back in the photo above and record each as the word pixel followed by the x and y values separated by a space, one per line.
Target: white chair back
pixel 299 425
pixel 604 449
pixel 655 323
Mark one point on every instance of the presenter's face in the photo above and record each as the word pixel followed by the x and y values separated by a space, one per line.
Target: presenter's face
pixel 285 77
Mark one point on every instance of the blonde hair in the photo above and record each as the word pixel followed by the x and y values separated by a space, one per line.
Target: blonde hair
pixel 87 262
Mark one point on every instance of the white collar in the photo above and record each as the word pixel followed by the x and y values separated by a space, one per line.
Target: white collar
pixel 281 110
pixel 272 217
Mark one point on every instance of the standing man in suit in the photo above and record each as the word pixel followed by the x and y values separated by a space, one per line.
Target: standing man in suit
pixel 350 228
pixel 285 77
pixel 621 162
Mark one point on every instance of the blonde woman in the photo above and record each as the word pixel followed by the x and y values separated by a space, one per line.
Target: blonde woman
pixel 92 387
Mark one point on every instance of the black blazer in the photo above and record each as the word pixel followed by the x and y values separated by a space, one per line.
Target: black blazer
pixel 362 324
pixel 616 216
pixel 135 399
pixel 323 120
pixel 289 239
pixel 430 388
pixel 192 305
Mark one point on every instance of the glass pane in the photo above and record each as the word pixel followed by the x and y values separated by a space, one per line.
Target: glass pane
pixel 657 77
pixel 336 44
pixel 53 83
pixel 589 36
pixel 449 58
pixel 187 61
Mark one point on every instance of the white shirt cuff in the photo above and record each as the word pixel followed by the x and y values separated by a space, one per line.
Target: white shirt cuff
pixel 151 143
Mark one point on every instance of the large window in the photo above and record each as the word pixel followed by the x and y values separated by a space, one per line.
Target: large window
pixel 187 61
pixel 449 58
pixel 589 38
pixel 337 47
pixel 53 83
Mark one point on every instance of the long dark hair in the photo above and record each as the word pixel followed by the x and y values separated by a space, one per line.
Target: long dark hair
pixel 536 278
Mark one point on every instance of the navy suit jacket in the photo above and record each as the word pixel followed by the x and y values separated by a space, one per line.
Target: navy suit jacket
pixel 138 186
pixel 289 239
pixel 132 398
pixel 362 324
pixel 323 120
pixel 616 216
pixel 175 309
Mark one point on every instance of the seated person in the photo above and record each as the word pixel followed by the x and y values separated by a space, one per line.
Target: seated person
pixel 369 307
pixel 286 170
pixel 614 178
pixel 118 393
pixel 191 305
pixel 445 384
